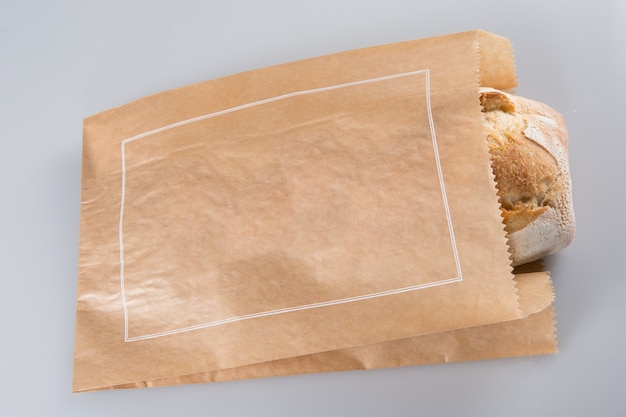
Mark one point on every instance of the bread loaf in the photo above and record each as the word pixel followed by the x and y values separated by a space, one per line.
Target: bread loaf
pixel 529 151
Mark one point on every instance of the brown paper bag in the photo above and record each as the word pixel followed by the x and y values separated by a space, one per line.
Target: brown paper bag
pixel 311 207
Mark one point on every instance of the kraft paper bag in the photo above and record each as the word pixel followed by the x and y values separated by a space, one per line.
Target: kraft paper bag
pixel 321 205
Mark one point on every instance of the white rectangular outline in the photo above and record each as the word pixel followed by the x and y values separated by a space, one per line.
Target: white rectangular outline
pixel 306 306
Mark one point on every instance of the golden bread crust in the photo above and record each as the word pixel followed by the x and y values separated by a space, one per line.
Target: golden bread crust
pixel 528 145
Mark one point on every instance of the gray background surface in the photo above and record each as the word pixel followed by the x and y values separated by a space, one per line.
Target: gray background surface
pixel 61 61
